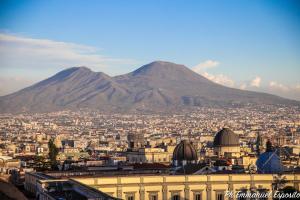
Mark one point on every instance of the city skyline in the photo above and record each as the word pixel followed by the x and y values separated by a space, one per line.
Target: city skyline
pixel 251 46
pixel 149 100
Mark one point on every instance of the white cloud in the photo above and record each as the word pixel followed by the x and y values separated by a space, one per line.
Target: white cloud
pixel 24 52
pixel 273 87
pixel 220 79
pixel 256 82
pixel 287 91
pixel 25 60
pixel 205 65
pixel 278 86
pixel 217 78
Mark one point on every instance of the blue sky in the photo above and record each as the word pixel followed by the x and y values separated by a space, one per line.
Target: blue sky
pixel 251 45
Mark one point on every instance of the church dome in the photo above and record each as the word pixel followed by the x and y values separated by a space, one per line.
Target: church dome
pixel 269 162
pixel 185 151
pixel 226 137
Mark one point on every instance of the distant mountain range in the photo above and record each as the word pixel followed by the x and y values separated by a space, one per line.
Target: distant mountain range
pixel 155 87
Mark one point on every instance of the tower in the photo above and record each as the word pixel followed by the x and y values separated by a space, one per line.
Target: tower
pixel 259 143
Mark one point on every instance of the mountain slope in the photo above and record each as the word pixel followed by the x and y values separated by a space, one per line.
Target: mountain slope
pixel 158 86
pixel 71 88
pixel 184 87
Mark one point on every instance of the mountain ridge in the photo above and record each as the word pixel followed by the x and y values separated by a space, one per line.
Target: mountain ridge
pixel 155 87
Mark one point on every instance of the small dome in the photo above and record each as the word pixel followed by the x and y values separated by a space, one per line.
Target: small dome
pixel 269 162
pixel 185 151
pixel 226 137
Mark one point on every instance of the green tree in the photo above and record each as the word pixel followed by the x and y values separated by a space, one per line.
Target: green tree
pixel 53 151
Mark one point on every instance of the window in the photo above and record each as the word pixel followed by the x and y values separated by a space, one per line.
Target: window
pixel 153 197
pixel 198 196
pixel 130 197
pixel 175 197
pixel 220 196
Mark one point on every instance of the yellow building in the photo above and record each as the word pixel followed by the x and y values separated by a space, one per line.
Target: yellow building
pixel 246 161
pixel 149 155
pixel 7 164
pixel 167 187
pixel 192 187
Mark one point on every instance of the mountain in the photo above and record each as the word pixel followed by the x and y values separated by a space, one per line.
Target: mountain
pixel 156 87
pixel 72 88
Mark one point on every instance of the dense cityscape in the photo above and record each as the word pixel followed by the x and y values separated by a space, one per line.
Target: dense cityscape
pixel 205 141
